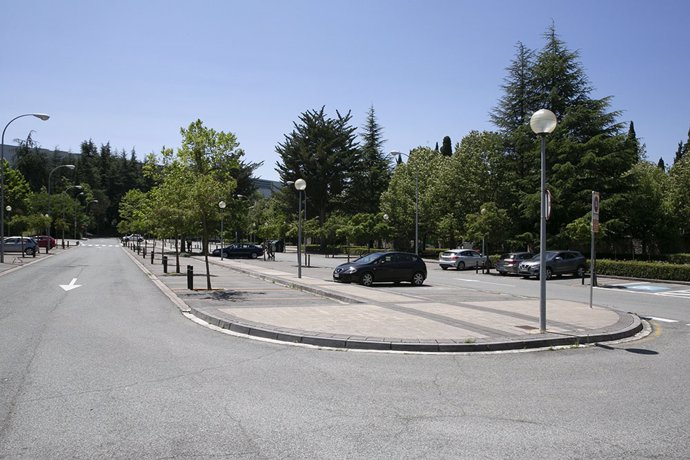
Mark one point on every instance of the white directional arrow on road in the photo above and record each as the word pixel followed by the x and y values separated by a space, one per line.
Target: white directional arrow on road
pixel 71 285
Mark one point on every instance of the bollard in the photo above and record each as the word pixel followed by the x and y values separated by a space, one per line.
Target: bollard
pixel 144 253
pixel 63 244
pixel 152 257
pixel 190 277
pixel 68 243
pixel 165 264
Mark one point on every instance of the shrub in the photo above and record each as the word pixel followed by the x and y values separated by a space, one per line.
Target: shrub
pixel 648 270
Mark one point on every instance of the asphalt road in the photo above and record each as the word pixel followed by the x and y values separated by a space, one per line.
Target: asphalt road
pixel 112 369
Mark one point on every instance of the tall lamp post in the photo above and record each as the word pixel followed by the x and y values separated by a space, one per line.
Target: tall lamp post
pixel 77 187
pixel 222 205
pixel 300 186
pixel 41 116
pixel 75 216
pixel 8 208
pixel 543 122
pixel 416 201
pixel 50 175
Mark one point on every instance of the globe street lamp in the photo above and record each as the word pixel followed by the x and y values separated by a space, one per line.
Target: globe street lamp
pixel 300 186
pixel 416 201
pixel 41 116
pixel 222 206
pixel 543 122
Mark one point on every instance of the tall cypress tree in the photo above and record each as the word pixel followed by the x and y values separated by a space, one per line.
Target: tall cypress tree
pixel 446 147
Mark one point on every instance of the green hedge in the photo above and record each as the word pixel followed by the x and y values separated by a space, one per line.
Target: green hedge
pixel 649 270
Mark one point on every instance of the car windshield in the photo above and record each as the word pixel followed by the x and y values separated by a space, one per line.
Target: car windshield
pixel 548 255
pixel 369 258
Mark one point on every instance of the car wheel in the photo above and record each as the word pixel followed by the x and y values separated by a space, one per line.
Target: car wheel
pixel 443 267
pixel 503 273
pixel 549 273
pixel 461 265
pixel 254 255
pixel 367 279
pixel 418 279
pixel 580 272
pixel 29 251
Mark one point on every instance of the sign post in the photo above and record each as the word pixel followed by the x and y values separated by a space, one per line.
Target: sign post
pixel 595 229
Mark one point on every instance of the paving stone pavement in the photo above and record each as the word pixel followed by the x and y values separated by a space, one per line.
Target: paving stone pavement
pixel 266 299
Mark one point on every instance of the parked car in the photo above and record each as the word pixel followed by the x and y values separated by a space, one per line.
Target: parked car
pixel 251 251
pixel 557 263
pixel 382 267
pixel 509 263
pixel 45 240
pixel 461 259
pixel 134 237
pixel 25 245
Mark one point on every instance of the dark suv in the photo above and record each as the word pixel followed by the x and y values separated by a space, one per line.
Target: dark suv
pixel 380 267
pixel 557 263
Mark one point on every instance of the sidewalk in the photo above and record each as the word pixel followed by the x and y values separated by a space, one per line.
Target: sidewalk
pixel 268 300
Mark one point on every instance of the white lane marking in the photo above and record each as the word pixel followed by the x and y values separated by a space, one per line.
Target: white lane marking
pixel 484 282
pixel 71 285
pixel 662 320
pixel 684 293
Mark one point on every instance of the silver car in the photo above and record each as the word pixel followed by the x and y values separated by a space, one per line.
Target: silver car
pixel 557 263
pixel 461 259
pixel 20 244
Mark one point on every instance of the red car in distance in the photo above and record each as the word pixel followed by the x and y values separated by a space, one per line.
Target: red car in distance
pixel 44 240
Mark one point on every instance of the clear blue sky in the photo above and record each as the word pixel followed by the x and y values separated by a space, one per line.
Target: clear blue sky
pixel 133 72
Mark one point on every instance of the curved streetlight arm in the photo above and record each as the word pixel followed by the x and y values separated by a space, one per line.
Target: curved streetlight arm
pixel 43 117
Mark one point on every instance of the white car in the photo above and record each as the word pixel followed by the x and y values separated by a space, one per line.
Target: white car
pixel 461 259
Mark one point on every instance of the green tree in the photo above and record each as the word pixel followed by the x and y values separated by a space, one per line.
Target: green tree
pixel 209 158
pixel 372 173
pixel 446 147
pixel 519 98
pixel 322 151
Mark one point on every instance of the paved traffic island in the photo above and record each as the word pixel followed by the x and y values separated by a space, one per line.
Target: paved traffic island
pixel 273 303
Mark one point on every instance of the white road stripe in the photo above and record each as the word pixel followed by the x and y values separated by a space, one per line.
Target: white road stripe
pixel 662 320
pixel 484 282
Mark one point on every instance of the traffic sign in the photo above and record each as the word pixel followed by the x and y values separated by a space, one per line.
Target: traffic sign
pixel 595 211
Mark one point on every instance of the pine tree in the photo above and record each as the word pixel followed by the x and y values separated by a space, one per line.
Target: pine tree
pixel 661 165
pixel 372 175
pixel 322 151
pixel 679 153
pixel 518 102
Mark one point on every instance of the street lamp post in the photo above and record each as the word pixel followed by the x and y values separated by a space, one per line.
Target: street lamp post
pixel 41 116
pixel 483 211
pixel 78 187
pixel 416 201
pixel 300 186
pixel 221 205
pixel 86 209
pixel 50 175
pixel 75 216
pixel 543 122
pixel 8 208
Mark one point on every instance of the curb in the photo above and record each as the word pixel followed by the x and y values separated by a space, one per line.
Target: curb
pixel 627 326
pixel 617 332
